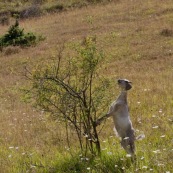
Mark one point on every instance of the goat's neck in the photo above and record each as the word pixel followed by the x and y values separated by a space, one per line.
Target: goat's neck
pixel 123 96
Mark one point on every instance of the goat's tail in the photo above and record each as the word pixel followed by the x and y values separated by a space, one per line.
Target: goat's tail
pixel 140 137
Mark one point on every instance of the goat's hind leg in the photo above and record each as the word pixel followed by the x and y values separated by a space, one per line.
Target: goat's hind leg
pixel 128 144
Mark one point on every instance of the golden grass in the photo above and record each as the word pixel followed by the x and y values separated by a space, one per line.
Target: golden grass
pixel 129 33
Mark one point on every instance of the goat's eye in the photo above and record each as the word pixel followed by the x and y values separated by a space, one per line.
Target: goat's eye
pixel 119 81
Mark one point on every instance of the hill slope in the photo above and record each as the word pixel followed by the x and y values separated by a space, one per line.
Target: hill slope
pixel 137 38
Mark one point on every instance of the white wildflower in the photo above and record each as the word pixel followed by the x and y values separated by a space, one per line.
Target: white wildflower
pixel 32 166
pixel 109 153
pixel 86 136
pixel 160 111
pixel 128 155
pixel 156 151
pixel 142 158
pixel 144 167
pixel 155 127
pixel 137 130
pixel 86 159
pixel 125 138
pixel 162 136
pixel 104 149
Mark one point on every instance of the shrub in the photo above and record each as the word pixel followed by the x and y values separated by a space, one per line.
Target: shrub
pixel 17 37
pixel 72 90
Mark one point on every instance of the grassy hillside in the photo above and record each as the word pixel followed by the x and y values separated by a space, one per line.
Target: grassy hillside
pixel 38 7
pixel 45 4
pixel 137 38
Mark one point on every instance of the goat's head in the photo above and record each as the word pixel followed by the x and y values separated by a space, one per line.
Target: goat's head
pixel 124 84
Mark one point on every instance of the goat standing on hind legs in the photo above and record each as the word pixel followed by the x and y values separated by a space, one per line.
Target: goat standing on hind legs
pixel 120 113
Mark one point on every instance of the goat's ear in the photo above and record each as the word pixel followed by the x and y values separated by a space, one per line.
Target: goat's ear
pixel 128 86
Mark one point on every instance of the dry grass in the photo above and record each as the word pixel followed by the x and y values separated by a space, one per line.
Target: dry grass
pixel 130 34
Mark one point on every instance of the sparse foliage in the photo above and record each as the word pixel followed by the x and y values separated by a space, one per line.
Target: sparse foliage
pixel 72 90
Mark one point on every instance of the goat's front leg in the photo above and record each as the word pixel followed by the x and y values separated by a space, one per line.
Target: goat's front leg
pixel 112 110
pixel 98 122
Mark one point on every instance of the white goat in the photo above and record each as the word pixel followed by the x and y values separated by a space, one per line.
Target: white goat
pixel 119 111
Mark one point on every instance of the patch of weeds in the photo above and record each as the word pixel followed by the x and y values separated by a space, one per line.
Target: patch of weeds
pixel 112 162
pixel 55 8
pixel 150 11
pixel 78 4
pixel 94 1
pixel 166 32
pixel 107 162
pixel 4 20
pixel 32 11
pixel 72 165
pixel 17 37
pixel 10 50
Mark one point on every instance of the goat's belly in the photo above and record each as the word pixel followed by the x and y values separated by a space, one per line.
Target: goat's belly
pixel 122 124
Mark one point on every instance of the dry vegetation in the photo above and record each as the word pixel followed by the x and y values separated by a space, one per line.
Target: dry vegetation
pixel 136 37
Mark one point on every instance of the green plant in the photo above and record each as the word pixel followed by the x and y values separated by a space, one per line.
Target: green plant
pixel 73 91
pixel 17 37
